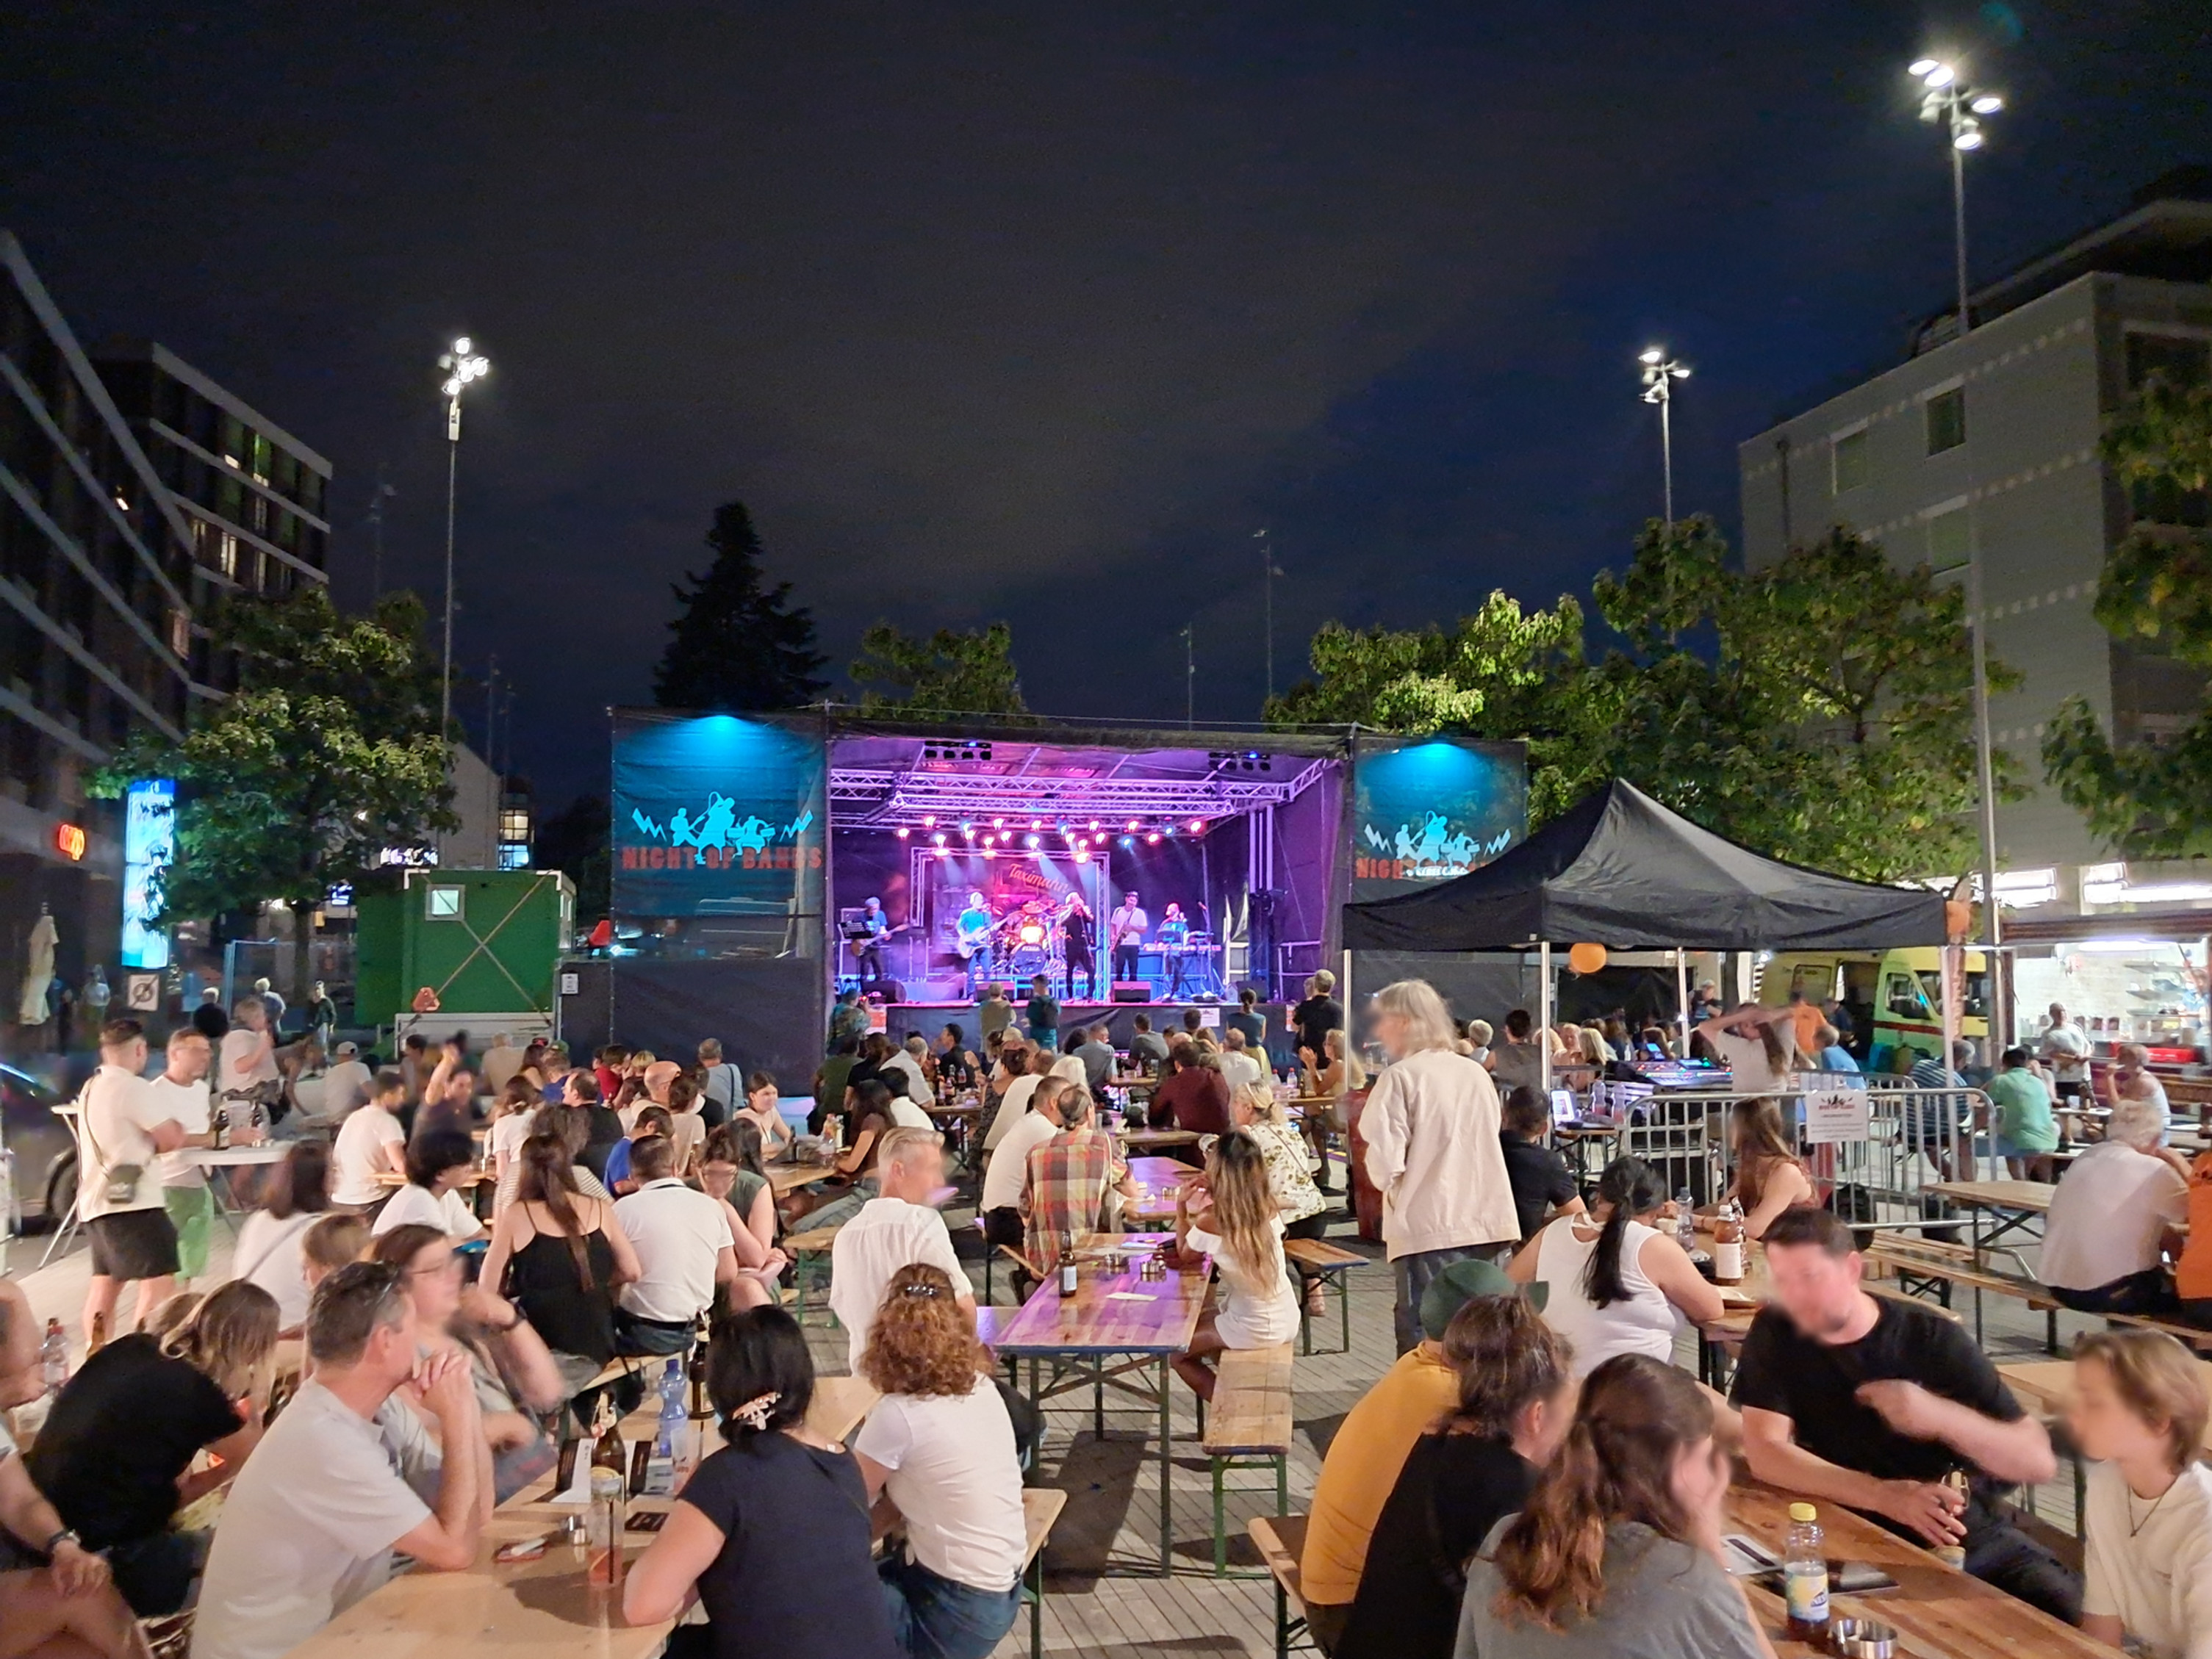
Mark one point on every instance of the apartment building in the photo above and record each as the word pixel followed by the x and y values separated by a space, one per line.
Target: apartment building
pixel 1989 444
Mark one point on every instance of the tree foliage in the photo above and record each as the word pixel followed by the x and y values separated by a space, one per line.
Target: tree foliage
pixel 2150 800
pixel 327 753
pixel 1818 710
pixel 969 672
pixel 1500 673
pixel 736 644
pixel 574 840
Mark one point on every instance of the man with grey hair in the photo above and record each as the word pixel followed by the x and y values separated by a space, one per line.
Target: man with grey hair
pixel 349 1476
pixel 1430 1123
pixel 2103 1238
pixel 897 1227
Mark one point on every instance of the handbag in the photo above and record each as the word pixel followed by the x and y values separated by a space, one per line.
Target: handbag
pixel 122 1188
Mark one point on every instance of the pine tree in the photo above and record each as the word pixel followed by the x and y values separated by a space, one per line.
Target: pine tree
pixel 737 646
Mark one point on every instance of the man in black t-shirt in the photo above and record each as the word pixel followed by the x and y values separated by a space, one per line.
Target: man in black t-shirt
pixel 1870 1401
pixel 1542 1184
pixel 1319 1014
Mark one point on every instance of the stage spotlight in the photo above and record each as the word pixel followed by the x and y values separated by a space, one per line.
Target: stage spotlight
pixel 940 838
pixel 1036 824
pixel 1094 826
pixel 1152 840
pixel 1128 840
pixel 929 824
pixel 1131 826
pixel 1082 856
pixel 990 852
pixel 901 832
pixel 1029 842
pixel 968 826
pixel 998 823
pixel 1197 825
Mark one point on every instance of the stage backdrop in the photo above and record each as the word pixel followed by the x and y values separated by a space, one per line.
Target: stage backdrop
pixel 1426 811
pixel 718 834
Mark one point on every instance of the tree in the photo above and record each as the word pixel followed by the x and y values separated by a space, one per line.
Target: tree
pixel 327 753
pixel 737 646
pixel 1819 708
pixel 574 842
pixel 1500 673
pixel 971 672
pixel 2144 799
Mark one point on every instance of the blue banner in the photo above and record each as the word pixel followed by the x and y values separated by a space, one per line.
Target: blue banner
pixel 719 824
pixel 150 846
pixel 1428 812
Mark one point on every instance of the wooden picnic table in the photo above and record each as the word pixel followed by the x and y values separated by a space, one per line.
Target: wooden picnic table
pixel 1116 1327
pixel 1936 1609
pixel 1145 1140
pixel 1160 1180
pixel 786 1177
pixel 2017 1201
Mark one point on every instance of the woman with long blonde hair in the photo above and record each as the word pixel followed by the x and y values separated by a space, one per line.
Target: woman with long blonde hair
pixel 940 1444
pixel 1235 1219
pixel 1618 1554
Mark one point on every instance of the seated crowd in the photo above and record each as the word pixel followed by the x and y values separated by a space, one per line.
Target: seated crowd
pixel 1536 1477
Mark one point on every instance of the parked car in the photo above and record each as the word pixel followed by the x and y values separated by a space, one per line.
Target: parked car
pixel 44 1151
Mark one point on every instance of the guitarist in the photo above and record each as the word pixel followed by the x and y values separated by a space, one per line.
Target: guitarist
pixel 1125 929
pixel 975 924
pixel 871 928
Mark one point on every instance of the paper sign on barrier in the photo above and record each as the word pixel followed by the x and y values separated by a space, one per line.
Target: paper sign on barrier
pixel 1833 1116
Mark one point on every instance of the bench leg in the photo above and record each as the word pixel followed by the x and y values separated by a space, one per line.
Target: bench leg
pixel 1037 1606
pixel 1344 1306
pixel 1220 1525
pixel 1305 1327
pixel 1282 1623
pixel 2050 1330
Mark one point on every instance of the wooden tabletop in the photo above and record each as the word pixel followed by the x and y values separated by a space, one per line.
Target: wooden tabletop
pixel 2045 1385
pixel 1143 1138
pixel 785 1177
pixel 1939 1610
pixel 394 1179
pixel 1110 1313
pixel 1158 1181
pixel 2034 1195
pixel 839 1404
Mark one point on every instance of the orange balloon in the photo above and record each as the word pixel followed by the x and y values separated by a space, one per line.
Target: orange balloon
pixel 1586 959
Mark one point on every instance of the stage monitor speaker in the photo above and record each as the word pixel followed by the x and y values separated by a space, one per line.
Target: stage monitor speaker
pixel 1132 990
pixel 886 990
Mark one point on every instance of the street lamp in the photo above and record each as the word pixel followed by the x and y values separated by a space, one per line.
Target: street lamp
pixel 1946 98
pixel 1660 374
pixel 462 365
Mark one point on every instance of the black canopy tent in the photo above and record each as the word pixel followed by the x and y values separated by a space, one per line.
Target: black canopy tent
pixel 1617 869
pixel 1621 870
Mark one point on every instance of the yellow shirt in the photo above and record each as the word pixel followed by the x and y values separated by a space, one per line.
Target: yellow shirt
pixel 1363 1465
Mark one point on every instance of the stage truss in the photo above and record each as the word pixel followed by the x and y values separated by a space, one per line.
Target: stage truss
pixel 1104 790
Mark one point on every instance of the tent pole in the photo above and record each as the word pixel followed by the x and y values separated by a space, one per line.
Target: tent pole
pixel 1544 1007
pixel 1350 1015
pixel 1682 997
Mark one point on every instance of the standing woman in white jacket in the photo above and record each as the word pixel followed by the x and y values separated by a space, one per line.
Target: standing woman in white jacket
pixel 1431 1124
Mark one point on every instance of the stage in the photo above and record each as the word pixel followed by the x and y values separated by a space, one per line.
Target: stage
pixel 929 1018
pixel 747 851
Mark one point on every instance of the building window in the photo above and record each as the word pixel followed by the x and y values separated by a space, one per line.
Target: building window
pixel 443 904
pixel 1948 545
pixel 1851 458
pixel 2178 360
pixel 1947 420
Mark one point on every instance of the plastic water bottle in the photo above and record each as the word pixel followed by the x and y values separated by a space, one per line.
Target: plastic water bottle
pixel 1686 1221
pixel 1805 1576
pixel 53 1357
pixel 670 1432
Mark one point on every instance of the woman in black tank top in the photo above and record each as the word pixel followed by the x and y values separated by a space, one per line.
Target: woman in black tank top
pixel 559 1255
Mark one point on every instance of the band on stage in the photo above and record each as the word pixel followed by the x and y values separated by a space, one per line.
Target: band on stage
pixel 1025 937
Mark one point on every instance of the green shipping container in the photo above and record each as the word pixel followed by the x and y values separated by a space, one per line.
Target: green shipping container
pixel 487 941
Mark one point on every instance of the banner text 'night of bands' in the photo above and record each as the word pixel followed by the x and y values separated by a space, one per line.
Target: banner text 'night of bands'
pixel 1428 812
pixel 716 816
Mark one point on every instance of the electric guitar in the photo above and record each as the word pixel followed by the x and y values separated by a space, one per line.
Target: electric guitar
pixel 974 938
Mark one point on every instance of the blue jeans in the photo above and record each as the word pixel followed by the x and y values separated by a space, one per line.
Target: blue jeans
pixel 1413 1273
pixel 934 1618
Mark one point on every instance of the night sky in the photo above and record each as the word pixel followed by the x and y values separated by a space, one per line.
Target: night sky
pixel 1037 311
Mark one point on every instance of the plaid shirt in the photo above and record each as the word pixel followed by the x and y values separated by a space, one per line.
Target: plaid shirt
pixel 1067 1180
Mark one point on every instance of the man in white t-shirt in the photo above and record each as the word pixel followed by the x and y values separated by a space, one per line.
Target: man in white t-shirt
pixel 183 1091
pixel 249 1049
pixel 369 1144
pixel 907 1059
pixel 898 1226
pixel 2064 1046
pixel 1238 1064
pixel 1006 1175
pixel 683 1251
pixel 1016 1101
pixel 311 1528
pixel 345 1086
pixel 501 1060
pixel 122 1130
